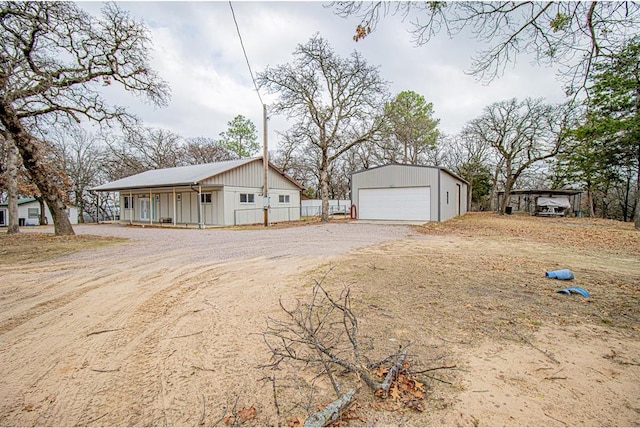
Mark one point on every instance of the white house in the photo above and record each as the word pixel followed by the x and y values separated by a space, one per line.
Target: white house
pixel 408 192
pixel 29 213
pixel 216 194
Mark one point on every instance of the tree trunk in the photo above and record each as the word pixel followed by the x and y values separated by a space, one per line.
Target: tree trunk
pixel 40 171
pixel 636 219
pixel 42 218
pixel 80 206
pixel 507 190
pixel 12 187
pixel 324 188
pixel 592 213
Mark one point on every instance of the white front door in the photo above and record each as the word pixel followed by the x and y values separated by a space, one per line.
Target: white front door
pixel 144 209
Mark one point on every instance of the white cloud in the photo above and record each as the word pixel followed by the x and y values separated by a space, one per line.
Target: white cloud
pixel 197 50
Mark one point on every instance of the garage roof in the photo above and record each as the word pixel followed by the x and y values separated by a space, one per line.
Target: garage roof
pixel 415 166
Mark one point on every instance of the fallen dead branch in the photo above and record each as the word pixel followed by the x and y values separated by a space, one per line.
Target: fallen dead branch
pixel 322 335
pixel 392 374
pixel 331 412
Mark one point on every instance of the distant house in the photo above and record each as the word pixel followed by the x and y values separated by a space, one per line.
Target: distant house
pixel 29 213
pixel 408 193
pixel 216 194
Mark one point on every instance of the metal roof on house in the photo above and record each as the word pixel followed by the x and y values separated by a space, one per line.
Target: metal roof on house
pixel 178 176
pixel 21 201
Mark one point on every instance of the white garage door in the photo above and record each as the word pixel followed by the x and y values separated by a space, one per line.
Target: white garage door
pixel 396 203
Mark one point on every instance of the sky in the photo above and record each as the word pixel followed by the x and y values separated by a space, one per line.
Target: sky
pixel 196 49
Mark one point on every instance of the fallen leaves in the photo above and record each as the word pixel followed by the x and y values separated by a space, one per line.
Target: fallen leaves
pixel 406 392
pixel 240 417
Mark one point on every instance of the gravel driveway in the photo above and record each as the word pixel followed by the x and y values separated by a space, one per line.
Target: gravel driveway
pixel 195 245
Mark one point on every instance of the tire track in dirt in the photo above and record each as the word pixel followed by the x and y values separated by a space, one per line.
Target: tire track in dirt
pixel 123 359
pixel 142 350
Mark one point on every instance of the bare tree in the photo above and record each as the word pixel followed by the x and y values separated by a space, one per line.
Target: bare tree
pixel 299 161
pixel 53 58
pixel 471 159
pixel 521 134
pixel 337 102
pixel 155 148
pixel 571 34
pixel 205 150
pixel 81 157
pixel 144 148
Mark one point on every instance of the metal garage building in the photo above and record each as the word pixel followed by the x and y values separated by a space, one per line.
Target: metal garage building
pixel 408 192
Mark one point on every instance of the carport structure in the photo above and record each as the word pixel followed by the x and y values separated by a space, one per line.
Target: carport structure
pixel 527 200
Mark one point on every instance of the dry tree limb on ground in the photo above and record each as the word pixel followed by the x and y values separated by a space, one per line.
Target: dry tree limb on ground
pixel 322 333
pixel 392 374
pixel 331 412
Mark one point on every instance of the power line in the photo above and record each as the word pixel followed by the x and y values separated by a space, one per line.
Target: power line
pixel 245 53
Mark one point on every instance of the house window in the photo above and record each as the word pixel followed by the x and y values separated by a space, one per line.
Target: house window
pixel 447 198
pixel 205 198
pixel 284 199
pixel 128 202
pixel 33 212
pixel 247 198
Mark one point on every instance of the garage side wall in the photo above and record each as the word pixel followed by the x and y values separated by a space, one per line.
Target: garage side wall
pixel 391 176
pixel 453 196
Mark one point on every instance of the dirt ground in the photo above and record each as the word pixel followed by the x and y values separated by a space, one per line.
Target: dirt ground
pixel 164 327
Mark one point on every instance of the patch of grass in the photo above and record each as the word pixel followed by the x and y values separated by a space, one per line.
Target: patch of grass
pixel 36 247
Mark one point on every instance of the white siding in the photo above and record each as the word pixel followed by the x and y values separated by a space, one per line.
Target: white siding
pixel 453 197
pixel 284 211
pixel 23 213
pixel 225 207
pixel 251 175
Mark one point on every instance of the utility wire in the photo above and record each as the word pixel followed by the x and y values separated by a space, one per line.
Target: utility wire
pixel 245 53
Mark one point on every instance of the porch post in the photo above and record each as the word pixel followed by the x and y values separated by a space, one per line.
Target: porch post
pixel 174 207
pixel 200 222
pixel 131 210
pixel 150 207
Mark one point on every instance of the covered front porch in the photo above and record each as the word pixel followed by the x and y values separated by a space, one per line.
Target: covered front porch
pixel 187 206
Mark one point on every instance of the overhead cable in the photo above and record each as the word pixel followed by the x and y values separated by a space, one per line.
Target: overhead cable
pixel 245 53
